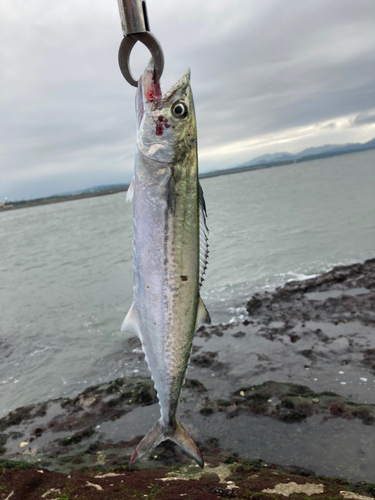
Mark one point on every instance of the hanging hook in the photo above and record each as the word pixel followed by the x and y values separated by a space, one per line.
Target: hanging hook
pixel 135 27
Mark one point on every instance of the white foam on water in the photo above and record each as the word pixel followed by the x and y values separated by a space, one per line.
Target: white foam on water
pixel 300 276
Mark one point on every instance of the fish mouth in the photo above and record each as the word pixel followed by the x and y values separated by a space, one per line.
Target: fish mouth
pixel 149 96
pixel 148 92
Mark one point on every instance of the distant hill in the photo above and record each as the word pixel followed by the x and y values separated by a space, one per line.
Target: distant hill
pixel 269 158
pixel 264 161
pixel 320 151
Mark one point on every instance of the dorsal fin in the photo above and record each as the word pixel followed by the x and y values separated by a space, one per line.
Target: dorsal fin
pixel 203 236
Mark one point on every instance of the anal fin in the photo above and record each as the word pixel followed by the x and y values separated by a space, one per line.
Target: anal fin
pixel 130 322
pixel 203 315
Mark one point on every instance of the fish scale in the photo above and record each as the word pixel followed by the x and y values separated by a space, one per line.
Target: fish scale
pixel 170 248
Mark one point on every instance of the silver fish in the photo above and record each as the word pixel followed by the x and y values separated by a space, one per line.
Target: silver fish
pixel 170 248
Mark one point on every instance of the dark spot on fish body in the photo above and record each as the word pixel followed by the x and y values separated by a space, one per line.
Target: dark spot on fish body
pixel 184 278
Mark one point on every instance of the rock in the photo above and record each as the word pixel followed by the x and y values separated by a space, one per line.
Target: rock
pixel 227 478
pixel 295 378
pixel 353 289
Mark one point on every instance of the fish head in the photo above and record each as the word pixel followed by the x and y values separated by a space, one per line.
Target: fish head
pixel 166 124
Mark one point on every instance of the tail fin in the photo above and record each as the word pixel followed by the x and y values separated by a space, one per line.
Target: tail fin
pixel 157 435
pixel 182 438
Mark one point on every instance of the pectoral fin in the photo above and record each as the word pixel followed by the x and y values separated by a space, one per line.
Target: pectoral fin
pixel 203 315
pixel 130 191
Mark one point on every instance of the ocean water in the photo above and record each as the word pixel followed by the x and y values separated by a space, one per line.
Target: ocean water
pixel 66 268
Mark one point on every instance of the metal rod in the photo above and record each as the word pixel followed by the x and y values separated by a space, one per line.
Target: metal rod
pixel 133 14
pixel 135 26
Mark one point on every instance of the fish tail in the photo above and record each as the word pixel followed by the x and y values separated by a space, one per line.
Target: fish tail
pixel 182 438
pixel 158 434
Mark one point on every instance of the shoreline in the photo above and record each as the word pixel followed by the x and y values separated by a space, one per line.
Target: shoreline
pixel 61 199
pixel 215 173
pixel 290 384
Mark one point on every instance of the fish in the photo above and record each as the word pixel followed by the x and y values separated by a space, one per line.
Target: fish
pixel 170 249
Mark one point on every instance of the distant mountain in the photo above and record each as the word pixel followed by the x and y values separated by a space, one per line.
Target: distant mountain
pixel 268 158
pixel 310 153
pixel 264 161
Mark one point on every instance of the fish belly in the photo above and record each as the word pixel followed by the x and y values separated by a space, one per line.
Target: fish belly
pixel 166 278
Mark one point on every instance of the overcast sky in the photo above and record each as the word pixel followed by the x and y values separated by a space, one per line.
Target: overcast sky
pixel 267 76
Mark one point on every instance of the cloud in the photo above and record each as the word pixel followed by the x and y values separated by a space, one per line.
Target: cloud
pixel 330 125
pixel 364 118
pixel 262 74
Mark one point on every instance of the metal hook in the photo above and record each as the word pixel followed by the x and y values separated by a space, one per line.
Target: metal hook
pixel 149 40
pixel 135 26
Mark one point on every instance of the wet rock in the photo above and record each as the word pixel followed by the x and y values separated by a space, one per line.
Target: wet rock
pixel 205 360
pixel 77 437
pixel 17 416
pixel 290 403
pixel 369 359
pixel 318 333
pixel 208 331
pixel 60 425
pixel 354 298
pixel 206 410
pixel 294 338
pixel 239 335
pixel 191 383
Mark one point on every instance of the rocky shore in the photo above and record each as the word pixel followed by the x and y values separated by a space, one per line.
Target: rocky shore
pixel 292 384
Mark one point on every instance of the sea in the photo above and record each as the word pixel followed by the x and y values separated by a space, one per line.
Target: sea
pixel 66 268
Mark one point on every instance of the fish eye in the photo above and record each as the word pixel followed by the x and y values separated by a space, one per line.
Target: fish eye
pixel 179 110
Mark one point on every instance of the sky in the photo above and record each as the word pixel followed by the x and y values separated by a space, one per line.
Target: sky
pixel 267 77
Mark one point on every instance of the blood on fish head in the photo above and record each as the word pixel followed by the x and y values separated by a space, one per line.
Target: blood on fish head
pixel 151 90
pixel 148 92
